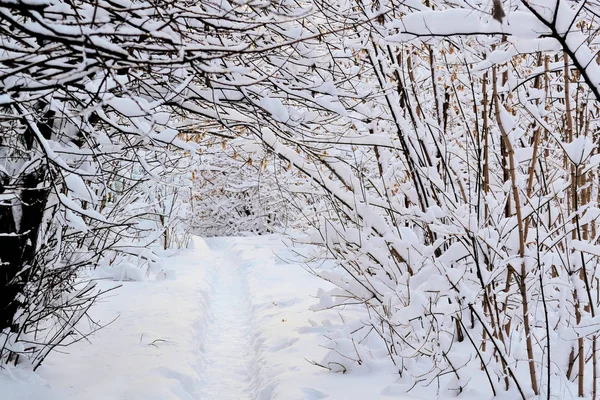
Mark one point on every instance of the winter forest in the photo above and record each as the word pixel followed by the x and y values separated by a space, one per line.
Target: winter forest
pixel 422 175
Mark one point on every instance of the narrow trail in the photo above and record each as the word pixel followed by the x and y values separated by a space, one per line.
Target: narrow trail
pixel 229 356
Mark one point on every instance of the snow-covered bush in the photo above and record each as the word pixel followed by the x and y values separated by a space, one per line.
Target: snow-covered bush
pixel 239 189
pixel 96 98
pixel 457 150
pixel 444 152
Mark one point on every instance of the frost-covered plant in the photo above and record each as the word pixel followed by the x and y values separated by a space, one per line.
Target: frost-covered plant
pixel 95 98
pixel 239 188
pixel 456 148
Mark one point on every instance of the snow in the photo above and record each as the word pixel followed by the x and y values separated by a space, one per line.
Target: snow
pixel 76 185
pixel 21 383
pixel 150 351
pixel 234 324
pixel 465 21
pixel 129 107
pixel 378 147
pixel 275 107
pixel 579 149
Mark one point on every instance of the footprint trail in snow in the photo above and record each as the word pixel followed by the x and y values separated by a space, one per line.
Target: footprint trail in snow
pixel 229 371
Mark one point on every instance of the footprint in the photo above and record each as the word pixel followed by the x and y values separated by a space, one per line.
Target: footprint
pixel 187 382
pixel 282 344
pixel 312 394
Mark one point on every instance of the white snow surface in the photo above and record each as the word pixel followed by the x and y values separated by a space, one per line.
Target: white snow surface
pixel 228 320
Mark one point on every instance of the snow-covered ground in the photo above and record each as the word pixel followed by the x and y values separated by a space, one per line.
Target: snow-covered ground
pixel 233 322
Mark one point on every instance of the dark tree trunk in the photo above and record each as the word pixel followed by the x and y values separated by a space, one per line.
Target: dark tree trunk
pixel 20 220
pixel 18 244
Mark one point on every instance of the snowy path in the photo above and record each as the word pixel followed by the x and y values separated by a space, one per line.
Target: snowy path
pixel 232 323
pixel 229 356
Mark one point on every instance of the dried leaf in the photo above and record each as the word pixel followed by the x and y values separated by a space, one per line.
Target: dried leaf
pixel 497 11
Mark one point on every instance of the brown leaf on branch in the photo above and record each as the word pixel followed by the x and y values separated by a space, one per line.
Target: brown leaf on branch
pixel 497 11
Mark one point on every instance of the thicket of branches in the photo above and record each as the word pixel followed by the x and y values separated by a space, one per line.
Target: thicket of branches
pixel 450 149
pixel 462 183
pixel 238 188
pixel 445 153
pixel 97 100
